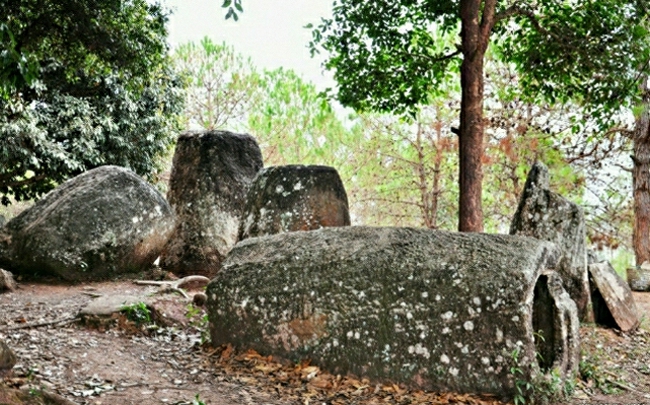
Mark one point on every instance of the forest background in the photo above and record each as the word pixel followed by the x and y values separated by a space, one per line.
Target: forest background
pixel 401 169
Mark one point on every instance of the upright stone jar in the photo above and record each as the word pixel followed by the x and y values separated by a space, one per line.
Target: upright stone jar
pixel 211 173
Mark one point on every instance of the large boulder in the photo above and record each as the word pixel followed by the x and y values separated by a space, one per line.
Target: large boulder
pixel 294 198
pixel 612 298
pixel 211 174
pixel 103 223
pixel 546 215
pixel 433 309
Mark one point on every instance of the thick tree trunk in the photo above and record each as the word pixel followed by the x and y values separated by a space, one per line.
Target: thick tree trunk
pixel 641 182
pixel 475 37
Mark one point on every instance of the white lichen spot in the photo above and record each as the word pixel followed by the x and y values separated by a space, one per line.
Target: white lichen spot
pixel 357 335
pixel 471 311
pixel 476 301
pixel 447 316
pixel 437 298
pixel 515 318
pixel 350 334
pixel 297 186
pixel 465 350
pixel 485 360
pixel 335 343
pixel 411 349
pixel 499 335
pixel 444 359
pixel 453 371
pixel 446 330
pixel 423 335
pixel 279 189
pixel 135 220
pixel 425 294
pixel 469 325
pixel 422 351
pixel 409 315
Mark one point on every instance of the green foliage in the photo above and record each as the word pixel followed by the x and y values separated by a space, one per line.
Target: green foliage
pixel 590 51
pixel 138 313
pixel 197 400
pixel 536 387
pixel 393 55
pixel 84 85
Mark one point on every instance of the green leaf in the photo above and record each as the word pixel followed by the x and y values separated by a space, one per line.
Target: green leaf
pixel 226 3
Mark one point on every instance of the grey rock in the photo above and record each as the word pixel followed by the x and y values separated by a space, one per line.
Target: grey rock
pixel 103 223
pixel 7 359
pixel 432 309
pixel 612 298
pixel 7 282
pixel 211 174
pixel 546 215
pixel 638 278
pixel 3 220
pixel 294 198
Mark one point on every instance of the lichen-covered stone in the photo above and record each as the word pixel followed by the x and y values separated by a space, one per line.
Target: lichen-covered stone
pixel 612 298
pixel 294 198
pixel 432 309
pixel 546 215
pixel 211 173
pixel 103 223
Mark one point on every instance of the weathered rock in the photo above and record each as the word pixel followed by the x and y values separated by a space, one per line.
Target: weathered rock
pixel 7 359
pixel 3 220
pixel 211 174
pixel 103 223
pixel 165 310
pixel 638 278
pixel 7 282
pixel 612 298
pixel 545 215
pixel 294 198
pixel 433 309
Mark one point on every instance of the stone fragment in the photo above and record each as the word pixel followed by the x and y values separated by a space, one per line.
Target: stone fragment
pixel 638 277
pixel 104 223
pixel 212 171
pixel 7 359
pixel 546 215
pixel 432 309
pixel 294 198
pixel 612 298
pixel 7 282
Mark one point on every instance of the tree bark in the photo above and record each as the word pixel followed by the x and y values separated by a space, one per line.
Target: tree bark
pixel 474 40
pixel 641 181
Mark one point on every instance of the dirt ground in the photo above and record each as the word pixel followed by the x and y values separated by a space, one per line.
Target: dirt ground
pixel 119 362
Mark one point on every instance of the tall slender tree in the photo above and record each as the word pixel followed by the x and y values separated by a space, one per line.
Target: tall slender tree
pixel 387 56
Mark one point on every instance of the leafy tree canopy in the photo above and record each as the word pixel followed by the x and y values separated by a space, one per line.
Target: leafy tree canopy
pixel 82 84
pixel 393 55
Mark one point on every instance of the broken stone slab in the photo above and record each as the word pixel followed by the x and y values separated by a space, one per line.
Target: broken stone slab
pixel 165 309
pixel 7 282
pixel 211 173
pixel 546 215
pixel 432 309
pixel 294 198
pixel 104 223
pixel 612 298
pixel 7 359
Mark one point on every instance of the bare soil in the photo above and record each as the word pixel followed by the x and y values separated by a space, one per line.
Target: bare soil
pixel 120 362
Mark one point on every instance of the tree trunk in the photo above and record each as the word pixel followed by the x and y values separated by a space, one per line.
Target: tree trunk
pixel 641 181
pixel 474 37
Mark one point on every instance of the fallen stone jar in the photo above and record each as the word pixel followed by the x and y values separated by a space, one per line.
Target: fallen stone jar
pixel 436 310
